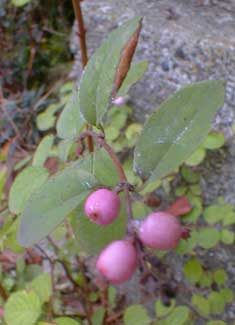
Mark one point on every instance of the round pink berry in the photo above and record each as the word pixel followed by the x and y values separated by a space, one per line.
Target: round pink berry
pixel 118 261
pixel 102 206
pixel 160 230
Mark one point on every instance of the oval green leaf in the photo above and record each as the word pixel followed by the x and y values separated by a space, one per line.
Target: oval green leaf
pixel 201 304
pixel 22 308
pixel 214 140
pixel 136 315
pixel 29 180
pixel 48 207
pixel 175 130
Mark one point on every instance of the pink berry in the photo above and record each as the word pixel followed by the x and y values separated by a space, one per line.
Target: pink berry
pixel 160 230
pixel 102 206
pixel 118 261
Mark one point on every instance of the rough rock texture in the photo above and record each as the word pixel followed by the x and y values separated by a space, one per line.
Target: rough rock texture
pixel 184 41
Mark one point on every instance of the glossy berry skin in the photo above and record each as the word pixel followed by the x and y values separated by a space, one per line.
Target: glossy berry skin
pixel 118 261
pixel 102 206
pixel 160 230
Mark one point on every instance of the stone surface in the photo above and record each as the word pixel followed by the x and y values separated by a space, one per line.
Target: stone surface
pixel 184 41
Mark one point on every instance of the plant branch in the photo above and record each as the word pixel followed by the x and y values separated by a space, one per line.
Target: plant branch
pixel 81 30
pixel 82 41
pixel 3 293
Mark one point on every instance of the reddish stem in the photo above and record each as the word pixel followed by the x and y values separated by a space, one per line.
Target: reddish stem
pixel 81 30
pixel 82 41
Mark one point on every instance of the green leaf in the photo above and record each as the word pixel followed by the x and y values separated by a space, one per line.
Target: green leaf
pixel 194 214
pixel 66 321
pixel 22 308
pixel 213 214
pixel 208 237
pixel 196 158
pixel 42 286
pixel 111 133
pixel 98 316
pixel 140 210
pixel 162 310
pixel 28 181
pixel 117 116
pixel 136 72
pixel 227 236
pixel 48 207
pixel 136 315
pixel 132 132
pixel 66 88
pixel 20 3
pixel 91 237
pixel 104 169
pixel 9 238
pixel 32 271
pixel 46 119
pixel 187 246
pixel 98 82
pixel 43 151
pixel 217 302
pixel 64 148
pixel 179 316
pixel 22 163
pixel 206 279
pixel 214 140
pixel 196 189
pixel 180 190
pixel 201 304
pixel 220 213
pixel 131 176
pixel 220 276
pixel 189 175
pixel 193 270
pixel 3 177
pixel 112 295
pixel 70 122
pixel 101 166
pixel 176 129
pixel 229 215
pixel 227 295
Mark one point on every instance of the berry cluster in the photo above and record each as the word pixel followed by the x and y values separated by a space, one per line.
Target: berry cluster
pixel 119 260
